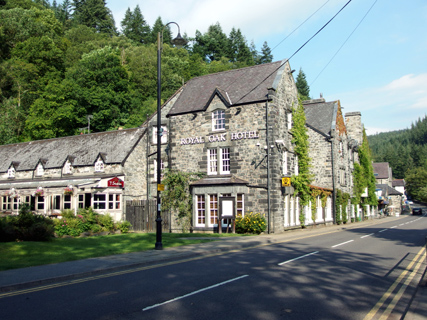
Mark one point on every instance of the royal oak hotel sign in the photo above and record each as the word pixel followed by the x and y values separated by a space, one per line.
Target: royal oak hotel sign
pixel 221 137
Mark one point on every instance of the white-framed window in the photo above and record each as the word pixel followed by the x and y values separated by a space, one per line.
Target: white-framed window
pixel 218 120
pixel 39 170
pixel 99 201
pixel 285 162
pixel 213 210
pixel 164 138
pixel 114 201
pixel 6 203
pixel 341 149
pixel 67 201
pixel 68 169
pixel 56 202
pixel 11 172
pixel 212 161
pixel 225 160
pixel 296 165
pixel 40 203
pixel 15 203
pixel 162 169
pixel 201 210
pixel 81 201
pixel 289 120
pixel 240 204
pixel 223 164
pixel 99 165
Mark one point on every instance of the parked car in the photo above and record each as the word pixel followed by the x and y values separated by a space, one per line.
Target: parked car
pixel 417 211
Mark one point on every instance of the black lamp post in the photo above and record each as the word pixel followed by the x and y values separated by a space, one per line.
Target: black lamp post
pixel 178 42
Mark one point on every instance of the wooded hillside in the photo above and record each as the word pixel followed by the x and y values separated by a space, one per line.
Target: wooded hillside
pixel 403 150
pixel 61 63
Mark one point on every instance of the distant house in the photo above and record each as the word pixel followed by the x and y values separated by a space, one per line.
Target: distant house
pixel 389 199
pixel 399 185
pixel 333 145
pixel 383 173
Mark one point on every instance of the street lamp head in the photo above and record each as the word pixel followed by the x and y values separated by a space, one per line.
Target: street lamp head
pixel 179 41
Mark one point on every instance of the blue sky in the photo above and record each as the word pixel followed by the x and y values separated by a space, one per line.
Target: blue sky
pixel 378 64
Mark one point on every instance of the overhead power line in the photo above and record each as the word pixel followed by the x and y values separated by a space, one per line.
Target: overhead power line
pixel 305 43
pixel 339 49
pixel 300 25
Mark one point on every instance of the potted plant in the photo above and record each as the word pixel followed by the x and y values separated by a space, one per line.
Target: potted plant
pixel 68 191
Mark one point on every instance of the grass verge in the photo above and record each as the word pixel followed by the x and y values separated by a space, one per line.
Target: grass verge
pixel 27 253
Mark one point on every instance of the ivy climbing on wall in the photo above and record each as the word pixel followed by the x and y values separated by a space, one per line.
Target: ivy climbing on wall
pixel 301 182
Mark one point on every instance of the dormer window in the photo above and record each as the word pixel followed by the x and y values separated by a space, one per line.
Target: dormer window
pixel 39 170
pixel 11 172
pixel 164 138
pixel 99 165
pixel 218 120
pixel 68 169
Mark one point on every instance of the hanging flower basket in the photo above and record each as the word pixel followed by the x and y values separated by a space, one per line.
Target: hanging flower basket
pixel 68 191
pixel 39 193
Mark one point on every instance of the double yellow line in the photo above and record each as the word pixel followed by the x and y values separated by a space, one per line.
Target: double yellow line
pixel 404 280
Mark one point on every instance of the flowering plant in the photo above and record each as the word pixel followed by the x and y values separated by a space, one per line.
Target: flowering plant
pixel 251 223
pixel 39 193
pixel 68 191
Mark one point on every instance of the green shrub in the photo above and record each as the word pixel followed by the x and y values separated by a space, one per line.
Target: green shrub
pixel 26 226
pixel 96 228
pixel 7 230
pixel 61 227
pixel 123 226
pixel 106 222
pixel 251 223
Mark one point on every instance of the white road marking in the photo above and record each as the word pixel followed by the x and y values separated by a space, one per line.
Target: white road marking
pixel 368 235
pixel 393 227
pixel 194 292
pixel 306 255
pixel 340 244
pixel 383 230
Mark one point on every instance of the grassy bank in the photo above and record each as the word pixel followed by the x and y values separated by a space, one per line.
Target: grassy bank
pixel 27 253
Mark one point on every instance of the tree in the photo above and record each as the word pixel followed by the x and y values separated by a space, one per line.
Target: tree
pixel 238 50
pixel 302 86
pixel 101 88
pixel 135 27
pixel 94 14
pixel 212 45
pixel 266 56
pixel 416 179
pixel 160 27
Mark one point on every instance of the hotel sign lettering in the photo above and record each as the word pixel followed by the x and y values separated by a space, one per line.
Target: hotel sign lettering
pixel 221 137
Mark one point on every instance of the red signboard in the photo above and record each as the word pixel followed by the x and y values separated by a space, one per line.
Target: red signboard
pixel 116 182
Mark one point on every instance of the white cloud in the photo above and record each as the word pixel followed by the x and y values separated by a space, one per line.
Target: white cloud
pixel 393 106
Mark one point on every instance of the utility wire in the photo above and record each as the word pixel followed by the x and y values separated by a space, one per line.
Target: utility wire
pixel 300 25
pixel 231 83
pixel 296 51
pixel 339 49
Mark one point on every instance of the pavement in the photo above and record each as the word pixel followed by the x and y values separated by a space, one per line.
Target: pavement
pixel 25 278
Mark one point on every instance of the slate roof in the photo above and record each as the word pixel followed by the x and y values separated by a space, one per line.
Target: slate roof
pixel 320 115
pixel 398 183
pixel 381 169
pixel 114 146
pixel 235 87
pixel 386 190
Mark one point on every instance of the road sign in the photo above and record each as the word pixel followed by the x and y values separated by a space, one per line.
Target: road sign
pixel 286 182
